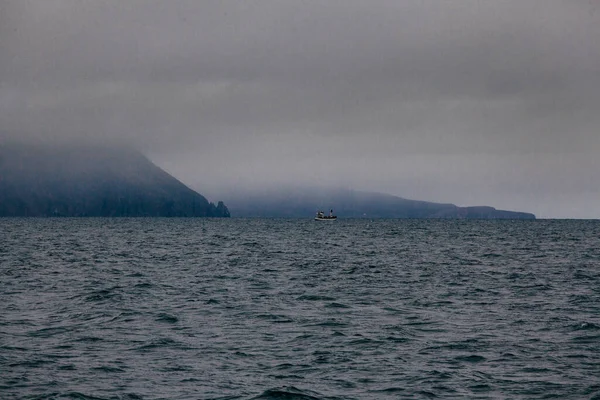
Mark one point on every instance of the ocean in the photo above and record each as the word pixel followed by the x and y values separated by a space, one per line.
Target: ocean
pixel 299 309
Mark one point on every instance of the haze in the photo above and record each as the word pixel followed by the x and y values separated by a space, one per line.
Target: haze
pixel 469 102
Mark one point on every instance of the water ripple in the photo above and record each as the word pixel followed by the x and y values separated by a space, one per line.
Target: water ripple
pixel 291 309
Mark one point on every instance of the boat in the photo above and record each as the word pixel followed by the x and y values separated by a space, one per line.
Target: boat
pixel 322 217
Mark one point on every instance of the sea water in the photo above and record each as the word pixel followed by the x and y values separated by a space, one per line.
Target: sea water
pixel 299 309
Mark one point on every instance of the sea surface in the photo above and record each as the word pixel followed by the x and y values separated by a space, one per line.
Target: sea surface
pixel 299 309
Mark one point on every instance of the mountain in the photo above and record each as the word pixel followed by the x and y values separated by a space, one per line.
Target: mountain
pixel 304 202
pixel 94 181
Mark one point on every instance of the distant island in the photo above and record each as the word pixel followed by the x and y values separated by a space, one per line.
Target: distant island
pixel 303 202
pixel 92 181
pixel 103 181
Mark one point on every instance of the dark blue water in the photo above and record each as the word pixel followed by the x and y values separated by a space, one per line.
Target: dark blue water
pixel 298 309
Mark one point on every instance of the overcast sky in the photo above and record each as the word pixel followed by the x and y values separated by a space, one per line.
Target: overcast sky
pixel 470 102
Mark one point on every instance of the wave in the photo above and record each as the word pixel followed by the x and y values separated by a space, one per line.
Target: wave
pixel 289 393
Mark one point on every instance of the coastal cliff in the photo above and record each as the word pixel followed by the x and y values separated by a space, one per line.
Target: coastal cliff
pixel 93 181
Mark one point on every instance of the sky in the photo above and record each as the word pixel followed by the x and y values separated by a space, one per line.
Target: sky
pixel 463 101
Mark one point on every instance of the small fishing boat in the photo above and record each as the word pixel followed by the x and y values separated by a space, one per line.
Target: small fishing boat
pixel 322 217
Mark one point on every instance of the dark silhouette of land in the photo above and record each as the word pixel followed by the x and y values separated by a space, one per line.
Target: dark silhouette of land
pixel 104 181
pixel 93 181
pixel 304 202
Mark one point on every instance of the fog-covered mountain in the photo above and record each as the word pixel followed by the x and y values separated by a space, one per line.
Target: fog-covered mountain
pixel 304 202
pixel 93 181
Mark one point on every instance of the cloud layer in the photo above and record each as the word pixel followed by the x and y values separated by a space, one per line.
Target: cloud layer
pixel 470 102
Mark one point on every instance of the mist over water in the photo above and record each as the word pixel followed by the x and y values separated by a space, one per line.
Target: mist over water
pixel 296 309
pixel 467 102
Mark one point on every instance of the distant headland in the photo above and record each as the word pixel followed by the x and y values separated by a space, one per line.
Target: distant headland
pixel 99 181
pixel 304 202
pixel 92 181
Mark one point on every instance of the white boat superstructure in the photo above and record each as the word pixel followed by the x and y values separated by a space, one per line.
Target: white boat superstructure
pixel 322 217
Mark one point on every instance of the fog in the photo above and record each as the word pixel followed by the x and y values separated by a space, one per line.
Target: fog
pixel 468 102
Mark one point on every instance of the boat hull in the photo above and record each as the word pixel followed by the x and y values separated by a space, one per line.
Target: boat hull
pixel 325 218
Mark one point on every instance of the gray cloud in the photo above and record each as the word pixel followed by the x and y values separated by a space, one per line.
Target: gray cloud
pixel 471 102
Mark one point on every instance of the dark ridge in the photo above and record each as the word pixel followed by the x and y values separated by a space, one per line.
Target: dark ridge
pixel 346 203
pixel 92 181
